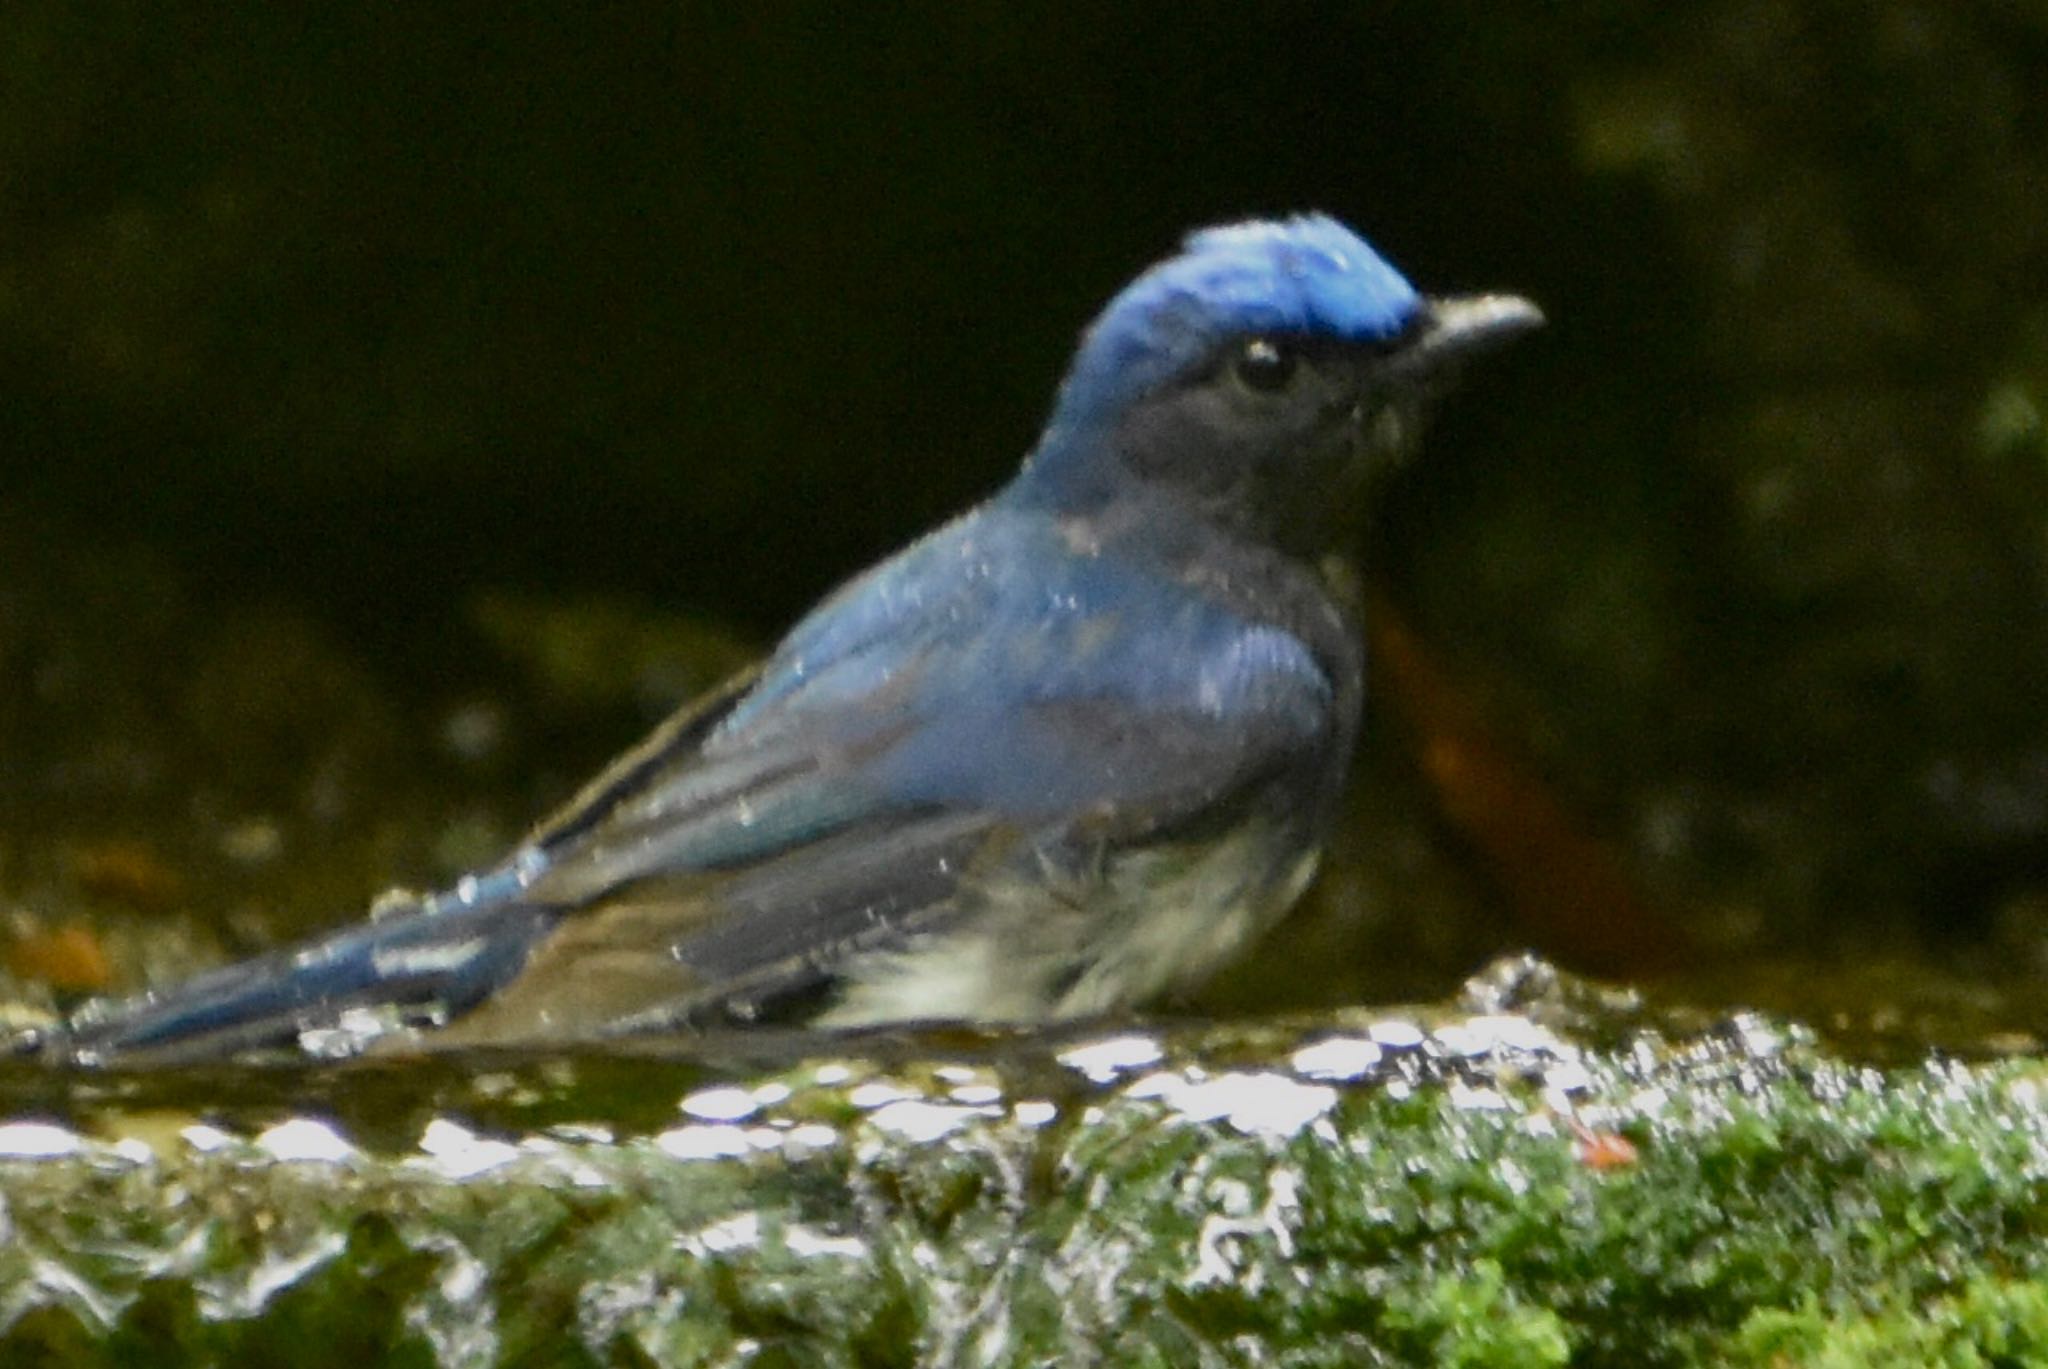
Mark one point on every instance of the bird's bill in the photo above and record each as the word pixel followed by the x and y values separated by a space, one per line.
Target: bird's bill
pixel 1458 326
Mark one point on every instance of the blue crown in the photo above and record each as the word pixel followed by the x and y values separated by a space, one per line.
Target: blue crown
pixel 1308 276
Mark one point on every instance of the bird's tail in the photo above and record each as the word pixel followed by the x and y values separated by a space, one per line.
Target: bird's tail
pixel 427 963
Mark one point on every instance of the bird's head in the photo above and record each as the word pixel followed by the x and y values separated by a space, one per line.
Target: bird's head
pixel 1259 376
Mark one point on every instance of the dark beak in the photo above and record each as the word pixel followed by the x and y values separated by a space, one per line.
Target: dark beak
pixel 1459 326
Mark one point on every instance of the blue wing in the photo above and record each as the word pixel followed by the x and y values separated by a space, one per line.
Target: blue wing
pixel 985 702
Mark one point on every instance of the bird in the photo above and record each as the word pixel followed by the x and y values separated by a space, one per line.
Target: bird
pixel 1064 756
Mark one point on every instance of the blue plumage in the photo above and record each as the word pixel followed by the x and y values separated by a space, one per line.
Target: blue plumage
pixel 1066 753
pixel 1303 277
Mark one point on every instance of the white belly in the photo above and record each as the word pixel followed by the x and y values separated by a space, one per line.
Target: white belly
pixel 1031 951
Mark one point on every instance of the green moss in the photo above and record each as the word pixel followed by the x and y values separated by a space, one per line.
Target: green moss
pixel 1987 1322
pixel 1221 1203
pixel 1475 1319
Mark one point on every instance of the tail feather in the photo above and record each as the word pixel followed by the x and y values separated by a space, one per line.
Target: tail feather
pixel 433 963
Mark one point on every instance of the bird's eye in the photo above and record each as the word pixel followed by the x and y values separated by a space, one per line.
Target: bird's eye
pixel 1264 365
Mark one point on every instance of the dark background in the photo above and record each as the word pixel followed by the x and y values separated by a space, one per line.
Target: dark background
pixel 400 405
pixel 391 300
